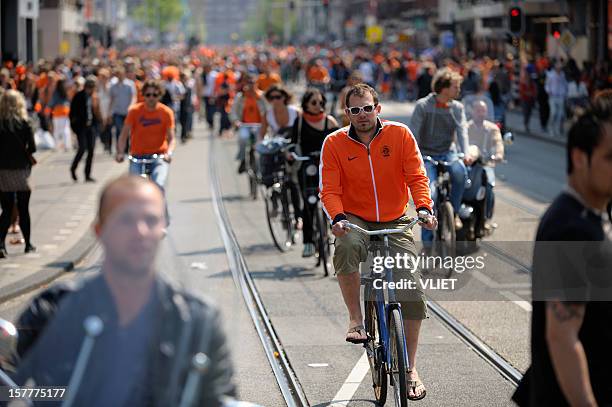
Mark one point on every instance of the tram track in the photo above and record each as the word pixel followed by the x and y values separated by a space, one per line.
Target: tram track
pixel 284 373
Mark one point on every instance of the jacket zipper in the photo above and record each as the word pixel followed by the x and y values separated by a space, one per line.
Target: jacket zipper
pixel 371 172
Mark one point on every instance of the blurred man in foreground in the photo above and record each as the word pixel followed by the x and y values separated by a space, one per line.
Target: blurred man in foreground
pixel 151 330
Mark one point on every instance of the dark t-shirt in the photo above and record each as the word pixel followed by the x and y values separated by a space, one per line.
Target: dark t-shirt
pixel 311 139
pixel 117 373
pixel 568 221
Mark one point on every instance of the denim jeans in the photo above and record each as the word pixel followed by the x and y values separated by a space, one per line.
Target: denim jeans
pixel 557 114
pixel 158 170
pixel 118 120
pixel 244 133
pixel 458 175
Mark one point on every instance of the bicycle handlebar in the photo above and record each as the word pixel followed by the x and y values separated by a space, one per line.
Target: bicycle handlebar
pixel 447 163
pixel 410 225
pixel 152 159
pixel 305 157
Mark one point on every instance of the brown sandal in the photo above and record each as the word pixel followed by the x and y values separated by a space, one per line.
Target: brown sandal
pixel 413 384
pixel 361 330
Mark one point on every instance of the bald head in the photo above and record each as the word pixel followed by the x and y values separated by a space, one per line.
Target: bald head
pixel 119 190
pixel 480 111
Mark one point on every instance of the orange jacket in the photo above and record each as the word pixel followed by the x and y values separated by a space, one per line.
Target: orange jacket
pixel 372 181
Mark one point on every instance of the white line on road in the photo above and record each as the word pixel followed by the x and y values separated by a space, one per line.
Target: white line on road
pixel 517 300
pixel 352 382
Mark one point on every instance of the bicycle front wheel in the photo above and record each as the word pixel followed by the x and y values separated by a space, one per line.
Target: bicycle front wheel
pixel 275 218
pixel 324 242
pixel 398 355
pixel 446 238
pixel 251 167
pixel 375 349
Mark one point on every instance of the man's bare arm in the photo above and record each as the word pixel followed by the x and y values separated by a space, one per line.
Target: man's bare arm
pixel 563 322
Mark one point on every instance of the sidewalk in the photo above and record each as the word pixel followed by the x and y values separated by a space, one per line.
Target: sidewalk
pixel 62 213
pixel 514 123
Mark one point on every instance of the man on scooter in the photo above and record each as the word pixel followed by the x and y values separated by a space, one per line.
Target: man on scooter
pixel 486 136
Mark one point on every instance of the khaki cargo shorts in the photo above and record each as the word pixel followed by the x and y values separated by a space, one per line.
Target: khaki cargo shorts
pixel 351 255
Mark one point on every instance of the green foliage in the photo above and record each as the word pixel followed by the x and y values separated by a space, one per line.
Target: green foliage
pixel 159 15
pixel 268 20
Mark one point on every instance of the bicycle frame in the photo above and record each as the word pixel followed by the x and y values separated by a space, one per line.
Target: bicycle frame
pixel 385 299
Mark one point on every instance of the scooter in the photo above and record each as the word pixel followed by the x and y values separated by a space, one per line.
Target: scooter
pixel 473 206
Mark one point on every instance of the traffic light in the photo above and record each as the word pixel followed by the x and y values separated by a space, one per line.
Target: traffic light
pixel 516 20
pixel 557 34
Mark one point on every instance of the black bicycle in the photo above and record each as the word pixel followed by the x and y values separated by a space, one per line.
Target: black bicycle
pixel 309 174
pixel 445 236
pixel 275 178
pixel 250 159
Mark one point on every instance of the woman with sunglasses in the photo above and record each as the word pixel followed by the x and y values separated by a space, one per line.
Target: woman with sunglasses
pixel 308 134
pixel 281 116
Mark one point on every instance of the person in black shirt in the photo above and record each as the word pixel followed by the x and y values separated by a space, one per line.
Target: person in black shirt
pixel 309 132
pixel 84 119
pixel 571 331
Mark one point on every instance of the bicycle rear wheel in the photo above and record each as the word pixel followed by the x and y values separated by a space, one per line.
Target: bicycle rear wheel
pixel 399 362
pixel 323 242
pixel 375 350
pixel 274 216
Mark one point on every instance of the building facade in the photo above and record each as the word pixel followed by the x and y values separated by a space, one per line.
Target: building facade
pixel 18 30
pixel 554 28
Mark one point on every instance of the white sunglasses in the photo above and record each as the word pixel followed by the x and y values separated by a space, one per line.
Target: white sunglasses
pixel 357 110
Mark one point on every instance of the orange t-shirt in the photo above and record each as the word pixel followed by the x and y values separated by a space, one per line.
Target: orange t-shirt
pixel 149 128
pixel 251 113
pixel 318 74
pixel 265 81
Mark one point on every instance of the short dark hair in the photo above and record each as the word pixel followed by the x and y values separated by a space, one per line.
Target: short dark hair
pixel 310 92
pixel 152 83
pixel 360 90
pixel 587 132
pixel 443 79
pixel 280 89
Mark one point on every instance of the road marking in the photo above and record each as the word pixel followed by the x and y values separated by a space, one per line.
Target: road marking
pixel 200 266
pixel 517 300
pixel 489 282
pixel 10 266
pixel 318 364
pixel 49 246
pixel 65 231
pixel 352 382
pixel 59 237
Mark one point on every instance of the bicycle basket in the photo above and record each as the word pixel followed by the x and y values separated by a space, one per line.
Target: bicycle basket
pixel 271 159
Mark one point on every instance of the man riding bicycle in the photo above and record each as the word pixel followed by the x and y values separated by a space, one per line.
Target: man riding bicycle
pixel 436 120
pixel 150 125
pixel 248 113
pixel 366 172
